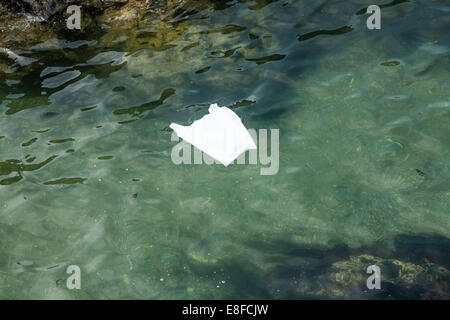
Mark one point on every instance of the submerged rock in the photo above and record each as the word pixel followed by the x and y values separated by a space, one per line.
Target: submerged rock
pixel 396 275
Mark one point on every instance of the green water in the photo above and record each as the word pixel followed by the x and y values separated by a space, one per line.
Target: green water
pixel 86 176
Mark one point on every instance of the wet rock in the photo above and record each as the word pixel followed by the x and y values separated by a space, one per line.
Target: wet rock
pixel 43 8
pixel 24 23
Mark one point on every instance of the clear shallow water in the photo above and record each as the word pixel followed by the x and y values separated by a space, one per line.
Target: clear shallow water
pixel 364 156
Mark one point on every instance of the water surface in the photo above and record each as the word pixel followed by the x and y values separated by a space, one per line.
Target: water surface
pixel 86 176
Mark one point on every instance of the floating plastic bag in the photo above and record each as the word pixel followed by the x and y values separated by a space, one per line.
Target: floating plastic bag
pixel 220 134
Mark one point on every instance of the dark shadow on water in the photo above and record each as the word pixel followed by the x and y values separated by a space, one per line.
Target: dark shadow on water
pixel 310 35
pixel 387 5
pixel 415 268
pixel 137 111
pixel 10 166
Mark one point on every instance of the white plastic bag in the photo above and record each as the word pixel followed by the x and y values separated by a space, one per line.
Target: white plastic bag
pixel 220 134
